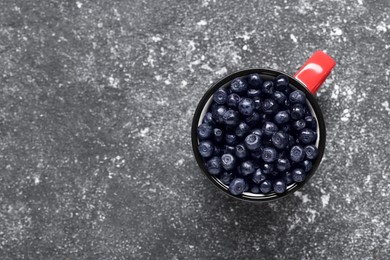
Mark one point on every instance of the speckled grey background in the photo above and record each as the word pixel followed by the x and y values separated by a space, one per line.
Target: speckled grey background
pixel 96 102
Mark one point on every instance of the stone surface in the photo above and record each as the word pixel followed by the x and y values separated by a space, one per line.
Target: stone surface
pixel 96 102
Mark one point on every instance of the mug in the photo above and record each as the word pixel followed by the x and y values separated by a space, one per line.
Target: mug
pixel 308 79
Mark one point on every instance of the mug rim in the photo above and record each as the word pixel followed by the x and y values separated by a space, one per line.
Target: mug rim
pixel 266 72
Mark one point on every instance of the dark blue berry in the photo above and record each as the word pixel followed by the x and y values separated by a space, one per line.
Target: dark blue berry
pixel 217 151
pixel 291 141
pixel 218 112
pixel 205 131
pixel 231 139
pixel 253 120
pixel 281 82
pixel 238 169
pixel 267 87
pixel 253 93
pixel 307 165
pixel 307 112
pixel 242 129
pixel 218 135
pixel 252 142
pixel 297 153
pixel 283 153
pixel 214 166
pixel 269 155
pixel 237 186
pixel 298 175
pixel 266 141
pixel 232 100
pixel 297 97
pixel 238 85
pixel 288 178
pixel 282 117
pixel 268 168
pixel 258 176
pixel 311 152
pixel 311 122
pixel 266 186
pixel 208 119
pixel 299 125
pixel 231 117
pixel 257 131
pixel 247 168
pixel 307 136
pixel 269 129
pixel 279 186
pixel 246 106
pixel 229 149
pixel 206 149
pixel 257 103
pixel 255 189
pixel 286 128
pixel 297 111
pixel 241 151
pixel 279 97
pixel 220 96
pixel 226 177
pixel 228 161
pixel 257 154
pixel 280 140
pixel 283 164
pixel 264 118
pixel 287 91
pixel 275 175
pixel 269 106
pixel 255 80
pixel 246 188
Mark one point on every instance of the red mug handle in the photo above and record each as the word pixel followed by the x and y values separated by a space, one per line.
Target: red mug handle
pixel 315 71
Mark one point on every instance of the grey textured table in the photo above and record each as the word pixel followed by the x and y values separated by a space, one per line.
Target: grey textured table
pixel 96 104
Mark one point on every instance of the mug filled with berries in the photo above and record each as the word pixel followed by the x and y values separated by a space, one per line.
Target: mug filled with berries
pixel 259 134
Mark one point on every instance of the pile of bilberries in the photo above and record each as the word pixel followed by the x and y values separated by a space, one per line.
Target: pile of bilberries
pixel 258 135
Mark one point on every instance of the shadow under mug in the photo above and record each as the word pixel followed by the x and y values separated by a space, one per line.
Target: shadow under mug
pixel 308 79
